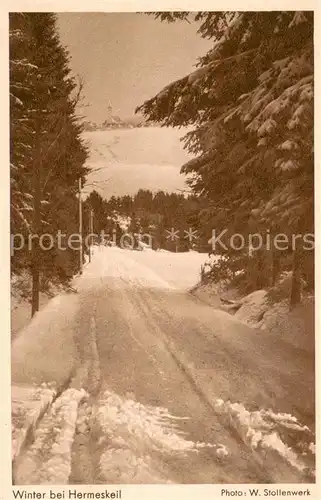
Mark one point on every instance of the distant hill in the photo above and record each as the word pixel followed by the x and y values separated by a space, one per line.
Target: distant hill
pixel 115 122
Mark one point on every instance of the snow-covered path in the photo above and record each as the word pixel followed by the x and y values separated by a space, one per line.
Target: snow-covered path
pixel 153 386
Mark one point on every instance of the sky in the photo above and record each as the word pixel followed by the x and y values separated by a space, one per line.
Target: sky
pixel 126 58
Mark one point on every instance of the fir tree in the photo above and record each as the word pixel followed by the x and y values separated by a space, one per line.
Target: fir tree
pixel 251 104
pixel 47 152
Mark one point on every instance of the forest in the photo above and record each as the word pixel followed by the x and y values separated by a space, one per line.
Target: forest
pixel 150 216
pixel 249 109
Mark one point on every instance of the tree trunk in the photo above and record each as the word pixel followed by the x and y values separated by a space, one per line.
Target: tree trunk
pixel 276 266
pixel 80 227
pixel 295 297
pixel 90 240
pixel 35 289
pixel 262 277
pixel 270 266
pixel 36 257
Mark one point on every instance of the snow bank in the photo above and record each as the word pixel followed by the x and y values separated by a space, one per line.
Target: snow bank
pixel 21 312
pixel 133 435
pixel 21 286
pixel 27 404
pixel 257 311
pixel 48 459
pixel 253 308
pixel 44 350
pixel 261 429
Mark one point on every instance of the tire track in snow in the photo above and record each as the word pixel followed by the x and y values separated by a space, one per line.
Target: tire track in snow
pixel 138 316
pixel 85 449
pixel 29 431
pixel 47 454
pixel 233 437
pixel 253 429
pixel 54 426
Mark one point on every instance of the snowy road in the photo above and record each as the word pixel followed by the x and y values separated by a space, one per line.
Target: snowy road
pixel 154 386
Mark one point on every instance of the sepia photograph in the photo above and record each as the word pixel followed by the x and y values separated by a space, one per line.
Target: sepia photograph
pixel 162 250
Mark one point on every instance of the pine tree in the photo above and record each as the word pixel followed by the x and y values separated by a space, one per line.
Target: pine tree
pixel 251 104
pixel 47 152
pixel 22 74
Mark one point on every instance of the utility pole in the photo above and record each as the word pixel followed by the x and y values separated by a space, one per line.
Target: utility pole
pixel 91 226
pixel 80 229
pixel 89 236
pixel 91 231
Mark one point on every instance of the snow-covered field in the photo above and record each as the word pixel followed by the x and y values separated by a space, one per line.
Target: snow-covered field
pixel 133 159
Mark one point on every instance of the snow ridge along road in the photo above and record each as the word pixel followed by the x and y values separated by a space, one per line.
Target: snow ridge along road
pixel 146 384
